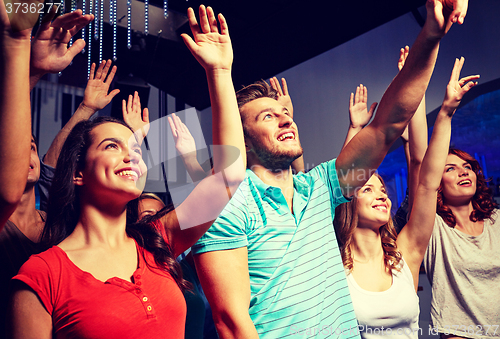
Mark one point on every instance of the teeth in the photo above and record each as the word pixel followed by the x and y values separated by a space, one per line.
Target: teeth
pixel 128 173
pixel 286 136
pixel 381 208
pixel 465 182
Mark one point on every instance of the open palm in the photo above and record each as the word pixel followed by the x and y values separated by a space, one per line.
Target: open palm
pixel 212 49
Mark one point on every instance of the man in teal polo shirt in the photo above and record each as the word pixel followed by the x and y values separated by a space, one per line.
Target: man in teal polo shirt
pixel 270 265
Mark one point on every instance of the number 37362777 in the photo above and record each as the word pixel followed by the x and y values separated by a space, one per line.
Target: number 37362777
pixel 24 7
pixel 471 329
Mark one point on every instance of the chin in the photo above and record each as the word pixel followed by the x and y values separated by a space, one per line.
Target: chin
pixel 141 183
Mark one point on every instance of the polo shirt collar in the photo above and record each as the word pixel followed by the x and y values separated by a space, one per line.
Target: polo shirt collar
pixel 299 184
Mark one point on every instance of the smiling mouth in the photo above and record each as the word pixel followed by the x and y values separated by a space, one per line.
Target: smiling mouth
pixel 465 182
pixel 285 136
pixel 380 208
pixel 129 174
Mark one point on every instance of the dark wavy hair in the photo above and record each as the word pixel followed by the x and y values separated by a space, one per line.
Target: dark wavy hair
pixel 346 221
pixel 482 201
pixel 63 211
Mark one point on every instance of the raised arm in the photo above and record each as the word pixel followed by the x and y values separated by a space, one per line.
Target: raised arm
pixel 95 98
pixel 133 116
pixel 367 149
pixel 212 48
pixel 29 319
pixel 359 115
pixel 285 99
pixel 15 112
pixel 413 239
pixel 186 147
pixel 416 139
pixel 49 51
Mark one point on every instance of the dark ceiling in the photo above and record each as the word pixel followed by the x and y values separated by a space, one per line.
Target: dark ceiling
pixel 268 36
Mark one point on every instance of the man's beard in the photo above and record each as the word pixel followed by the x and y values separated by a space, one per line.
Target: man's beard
pixel 275 159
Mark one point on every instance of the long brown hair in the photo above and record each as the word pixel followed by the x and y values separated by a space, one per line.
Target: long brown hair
pixel 346 221
pixel 64 203
pixel 482 201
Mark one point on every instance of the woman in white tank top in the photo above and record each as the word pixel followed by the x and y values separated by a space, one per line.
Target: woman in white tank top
pixel 382 267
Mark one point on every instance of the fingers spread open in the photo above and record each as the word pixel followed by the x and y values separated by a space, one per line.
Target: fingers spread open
pixel 285 87
pixel 224 30
pixel 129 103
pixel 468 78
pixel 107 65
pixel 80 23
pixel 212 20
pixel 193 24
pixel 111 74
pixel 76 48
pixel 204 24
pixel 92 70
pixel 66 21
pixel 98 74
pixel 47 19
pixel 172 127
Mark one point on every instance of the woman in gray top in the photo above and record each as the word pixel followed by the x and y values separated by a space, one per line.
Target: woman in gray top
pixel 463 258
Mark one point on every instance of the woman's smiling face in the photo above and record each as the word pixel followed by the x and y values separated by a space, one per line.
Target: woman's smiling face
pixel 113 163
pixel 459 180
pixel 373 204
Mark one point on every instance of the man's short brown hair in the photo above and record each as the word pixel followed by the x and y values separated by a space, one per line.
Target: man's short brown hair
pixel 259 89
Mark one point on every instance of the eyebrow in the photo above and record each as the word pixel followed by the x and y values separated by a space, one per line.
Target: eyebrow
pixel 464 163
pixel 118 141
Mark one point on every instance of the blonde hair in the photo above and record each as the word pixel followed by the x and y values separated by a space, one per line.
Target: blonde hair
pixel 346 221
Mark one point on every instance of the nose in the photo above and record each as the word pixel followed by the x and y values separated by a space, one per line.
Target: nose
pixel 285 120
pixel 382 196
pixel 464 172
pixel 132 156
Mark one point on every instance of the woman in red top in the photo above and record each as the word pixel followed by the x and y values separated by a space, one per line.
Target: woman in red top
pixel 108 278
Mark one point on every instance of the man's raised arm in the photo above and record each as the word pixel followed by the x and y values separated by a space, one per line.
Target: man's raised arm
pixel 364 153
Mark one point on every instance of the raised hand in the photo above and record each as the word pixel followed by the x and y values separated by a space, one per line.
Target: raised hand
pixel 403 54
pixel 96 95
pixel 212 49
pixel 458 9
pixel 440 18
pixel 49 50
pixel 283 95
pixel 184 141
pixel 358 112
pixel 186 146
pixel 132 114
pixel 457 87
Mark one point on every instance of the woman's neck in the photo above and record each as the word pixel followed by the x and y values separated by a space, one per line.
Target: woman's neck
pixel 99 227
pixel 464 224
pixel 462 213
pixel 366 246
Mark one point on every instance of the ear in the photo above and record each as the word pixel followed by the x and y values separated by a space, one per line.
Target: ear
pixel 78 178
pixel 248 145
